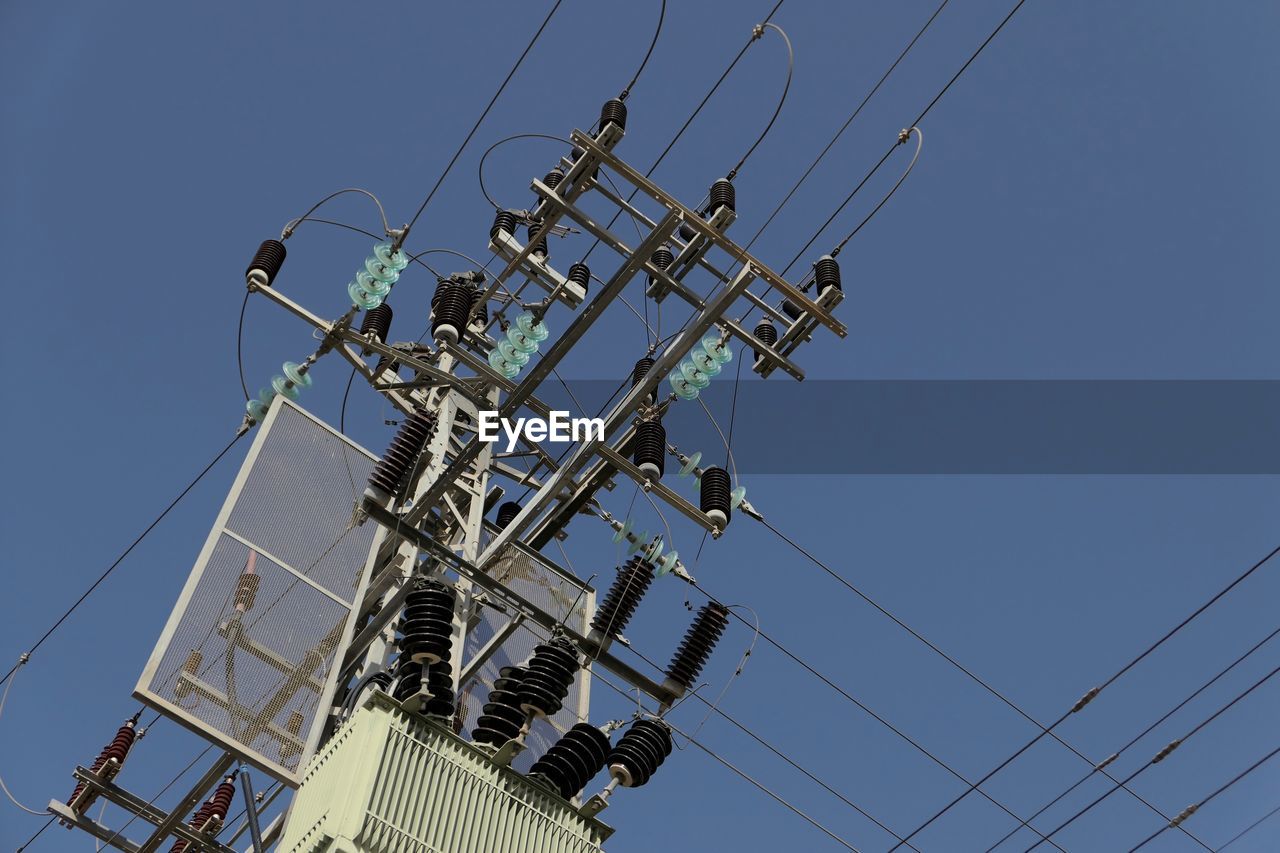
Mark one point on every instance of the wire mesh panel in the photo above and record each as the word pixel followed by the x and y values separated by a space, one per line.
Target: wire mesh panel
pixel 555 591
pixel 247 656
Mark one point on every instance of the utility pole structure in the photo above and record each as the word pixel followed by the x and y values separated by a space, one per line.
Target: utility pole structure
pixel 417 675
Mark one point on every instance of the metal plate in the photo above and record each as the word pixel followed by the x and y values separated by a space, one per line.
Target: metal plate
pixel 255 677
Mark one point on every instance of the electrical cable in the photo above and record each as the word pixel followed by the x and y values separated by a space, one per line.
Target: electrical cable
pixel 39 832
pixel 4 697
pixel 126 553
pixel 914 157
pixel 1093 692
pixel 159 794
pixel 884 722
pixel 1159 756
pixel 662 14
pixel 1115 755
pixel 240 346
pixel 1242 833
pixel 481 119
pixel 293 224
pixel 1192 809
pixel 839 578
pixel 791 63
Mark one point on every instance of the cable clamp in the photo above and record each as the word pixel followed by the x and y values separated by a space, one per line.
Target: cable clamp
pixel 1110 758
pixel 904 135
pixel 1085 699
pixel 757 32
pixel 1186 813
pixel 1164 753
pixel 23 658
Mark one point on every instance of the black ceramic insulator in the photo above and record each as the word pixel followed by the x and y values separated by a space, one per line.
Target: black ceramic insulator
pixel 539 247
pixel 614 111
pixel 571 762
pixel 479 307
pixel 506 513
pixel 698 643
pixel 766 333
pixel 378 321
pixel 266 263
pixel 722 195
pixel 686 232
pixel 640 752
pixel 624 595
pixel 391 474
pixel 117 749
pixel 641 369
pixel 713 494
pixel 439 683
pixel 662 257
pixel 500 717
pixel 553 178
pixel 247 591
pixel 649 448
pixel 791 309
pixel 550 672
pixel 580 274
pixel 450 309
pixel 385 362
pixel 427 625
pixel 503 220
pixel 826 272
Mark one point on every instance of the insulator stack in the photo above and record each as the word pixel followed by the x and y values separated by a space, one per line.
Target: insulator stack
pixel 391 474
pixel 642 368
pixel 614 111
pixel 247 590
pixel 507 513
pixel 539 248
pixel 266 264
pixel 639 753
pixel 826 273
pixel 381 270
pixel 479 308
pixel 450 308
pixel 662 259
pixel 696 372
pixel 439 684
pixel 571 762
pixel 698 643
pixel 209 818
pixel 714 495
pixel 553 178
pixel 501 718
pixel 427 626
pixel 377 321
pixel 649 448
pixel 524 336
pixel 550 672
pixel 722 194
pixel 580 274
pixel 503 220
pixel 385 363
pixel 624 596
pixel 111 758
pixel 766 333
pixel 289 383
pixel 792 310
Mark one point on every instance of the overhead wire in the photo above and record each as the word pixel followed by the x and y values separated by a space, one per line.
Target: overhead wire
pixel 626 90
pixel 1093 692
pixel 1250 828
pixel 786 87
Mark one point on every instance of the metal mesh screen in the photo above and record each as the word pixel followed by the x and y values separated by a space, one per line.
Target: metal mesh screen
pixel 542 584
pixel 247 654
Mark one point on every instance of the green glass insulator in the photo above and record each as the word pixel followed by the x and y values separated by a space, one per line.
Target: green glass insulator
pixel 513 355
pixel 361 298
pixel 622 532
pixel 639 541
pixel 533 327
pixel 681 386
pixel 295 374
pixel 654 551
pixel 717 349
pixel 380 271
pixel 396 260
pixel 736 497
pixel 667 563
pixel 372 285
pixel 285 387
pixel 521 341
pixel 266 395
pixel 695 377
pixel 705 362
pixel 504 367
pixel 256 409
pixel 690 463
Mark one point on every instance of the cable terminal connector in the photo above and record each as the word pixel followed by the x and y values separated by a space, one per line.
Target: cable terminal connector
pixel 904 135
pixel 1110 758
pixel 757 32
pixel 1186 813
pixel 1164 753
pixel 1085 699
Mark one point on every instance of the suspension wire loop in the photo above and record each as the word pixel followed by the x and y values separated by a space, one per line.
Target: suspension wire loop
pixel 292 224
pixel 1250 828
pixel 914 157
pixel 857 110
pixel 839 578
pixel 662 14
pixel 4 698
pixel 1192 809
pixel 480 120
pixel 127 551
pixel 1115 755
pixel 1160 756
pixel 415 258
pixel 791 64
pixel 1089 696
pixel 240 345
pixel 972 786
pixel 595 673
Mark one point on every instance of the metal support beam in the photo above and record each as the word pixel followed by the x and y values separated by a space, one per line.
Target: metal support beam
pixel 171 825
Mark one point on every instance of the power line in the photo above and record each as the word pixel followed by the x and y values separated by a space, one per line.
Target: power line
pixel 1242 833
pixel 1115 755
pixel 884 722
pixel 1192 809
pixel 839 578
pixel 1092 693
pixel 26 655
pixel 482 117
pixel 1160 756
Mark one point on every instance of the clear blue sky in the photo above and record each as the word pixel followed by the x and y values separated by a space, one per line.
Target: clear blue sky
pixel 1096 199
